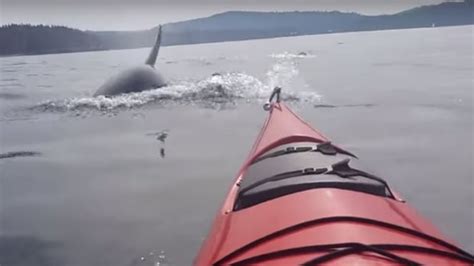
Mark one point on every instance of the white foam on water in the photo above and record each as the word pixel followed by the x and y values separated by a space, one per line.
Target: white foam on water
pixel 288 55
pixel 218 88
pixel 281 74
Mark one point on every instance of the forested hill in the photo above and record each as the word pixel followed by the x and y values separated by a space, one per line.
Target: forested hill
pixel 28 39
pixel 228 26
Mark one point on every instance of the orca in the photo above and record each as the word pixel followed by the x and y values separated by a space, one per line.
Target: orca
pixel 137 78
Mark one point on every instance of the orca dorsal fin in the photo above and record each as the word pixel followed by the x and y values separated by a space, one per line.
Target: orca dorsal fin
pixel 154 51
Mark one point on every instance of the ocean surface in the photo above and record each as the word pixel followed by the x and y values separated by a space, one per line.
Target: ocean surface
pixel 86 181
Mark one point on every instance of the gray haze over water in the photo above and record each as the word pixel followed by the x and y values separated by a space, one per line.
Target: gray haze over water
pixel 85 182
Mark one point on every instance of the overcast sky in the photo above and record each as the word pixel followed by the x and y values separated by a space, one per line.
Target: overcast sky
pixel 143 14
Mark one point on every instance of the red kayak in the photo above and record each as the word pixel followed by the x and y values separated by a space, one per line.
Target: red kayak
pixel 301 200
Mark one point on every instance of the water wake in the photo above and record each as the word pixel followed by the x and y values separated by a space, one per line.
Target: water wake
pixel 225 88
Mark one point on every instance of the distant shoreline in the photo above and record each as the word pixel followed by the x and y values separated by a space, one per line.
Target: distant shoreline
pixel 26 40
pixel 212 42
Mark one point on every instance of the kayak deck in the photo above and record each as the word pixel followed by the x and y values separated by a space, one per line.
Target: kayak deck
pixel 301 166
pixel 298 199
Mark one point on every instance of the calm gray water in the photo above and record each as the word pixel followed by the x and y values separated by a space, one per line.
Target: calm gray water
pixel 88 185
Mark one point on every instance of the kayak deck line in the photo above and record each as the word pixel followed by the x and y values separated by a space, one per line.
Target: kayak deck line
pixel 454 252
pixel 348 248
pixel 325 148
pixel 299 199
pixel 299 226
pixel 300 182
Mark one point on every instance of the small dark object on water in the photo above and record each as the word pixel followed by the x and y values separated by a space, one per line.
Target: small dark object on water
pixel 324 106
pixel 13 154
pixel 302 53
pixel 345 105
pixel 162 152
pixel 360 105
pixel 160 135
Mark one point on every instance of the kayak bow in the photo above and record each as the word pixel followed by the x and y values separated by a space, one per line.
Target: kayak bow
pixel 299 199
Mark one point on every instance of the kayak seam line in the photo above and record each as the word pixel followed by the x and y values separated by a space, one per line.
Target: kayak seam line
pixel 289 229
pixel 329 247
